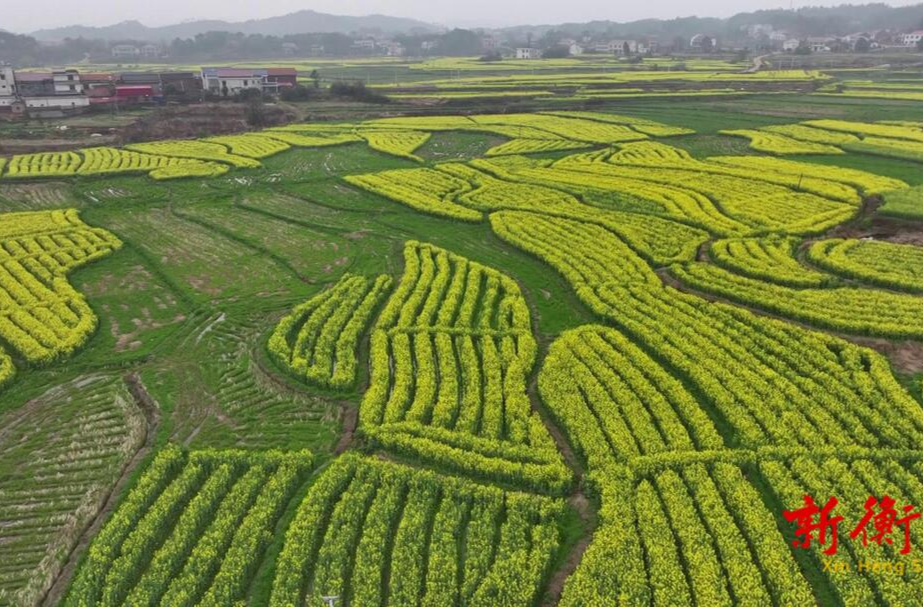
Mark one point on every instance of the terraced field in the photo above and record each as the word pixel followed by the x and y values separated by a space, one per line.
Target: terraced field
pixel 568 357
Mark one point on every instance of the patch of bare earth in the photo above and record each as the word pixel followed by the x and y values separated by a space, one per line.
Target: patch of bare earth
pixel 350 419
pixel 906 356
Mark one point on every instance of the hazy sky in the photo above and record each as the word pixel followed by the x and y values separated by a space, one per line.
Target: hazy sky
pixel 36 14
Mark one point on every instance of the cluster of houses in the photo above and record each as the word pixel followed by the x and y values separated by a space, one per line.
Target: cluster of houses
pixel 136 51
pixel 617 47
pixel 766 35
pixel 62 92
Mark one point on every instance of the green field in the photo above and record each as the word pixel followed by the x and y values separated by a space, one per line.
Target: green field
pixel 568 358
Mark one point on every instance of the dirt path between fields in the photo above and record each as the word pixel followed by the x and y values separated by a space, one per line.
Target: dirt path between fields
pixel 350 418
pixel 151 412
pixel 578 500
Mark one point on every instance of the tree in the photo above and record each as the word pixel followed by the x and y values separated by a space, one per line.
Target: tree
pixel 862 45
pixel 556 52
pixel 803 49
pixel 920 45
pixel 295 93
pixel 255 112
pixel 460 42
pixel 357 91
pixel 315 77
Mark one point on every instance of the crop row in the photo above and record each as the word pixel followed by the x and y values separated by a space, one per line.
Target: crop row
pixel 897 266
pixel 318 340
pixel 901 140
pixel 673 201
pixel 872 312
pixel 616 402
pixel 574 129
pixel 869 129
pixel 310 139
pixel 868 183
pixel 770 258
pixel 693 536
pixel 891 148
pixel 376 533
pixel 725 200
pixel 758 373
pixel 643 125
pixel 191 532
pixel 533 146
pixel 396 143
pixel 106 161
pixel 811 134
pixel 251 145
pixel 777 143
pixel 425 190
pixel 759 204
pixel 194 149
pixel 659 239
pixel 654 154
pixel 449 358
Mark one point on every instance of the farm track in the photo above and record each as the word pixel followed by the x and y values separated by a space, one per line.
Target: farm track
pixel 586 508
pixel 151 411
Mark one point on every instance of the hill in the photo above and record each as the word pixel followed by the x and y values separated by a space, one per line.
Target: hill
pixel 301 22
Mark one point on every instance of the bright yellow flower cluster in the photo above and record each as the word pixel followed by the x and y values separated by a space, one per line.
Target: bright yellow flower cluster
pixel 449 357
pixel 453 541
pixel 318 341
pixel 192 531
pixel 41 315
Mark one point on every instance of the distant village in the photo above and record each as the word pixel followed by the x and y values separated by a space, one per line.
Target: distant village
pixel 59 92
pixel 759 37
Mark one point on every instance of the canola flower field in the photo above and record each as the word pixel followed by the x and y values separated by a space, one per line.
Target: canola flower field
pixel 577 358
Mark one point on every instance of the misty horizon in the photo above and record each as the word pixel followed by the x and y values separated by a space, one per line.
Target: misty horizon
pixel 102 13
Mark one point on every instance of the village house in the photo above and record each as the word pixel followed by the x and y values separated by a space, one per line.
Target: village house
pixel 364 44
pixel 125 51
pixel 66 82
pixel 820 45
pixel 528 53
pixel 7 81
pixel 913 38
pixel 151 51
pixel 228 82
pixel 393 49
pixel 703 42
